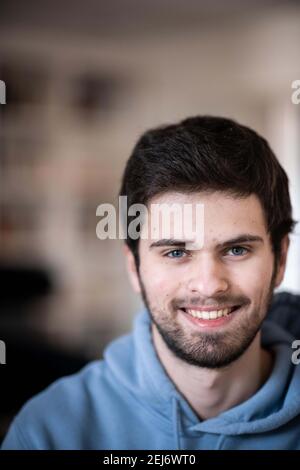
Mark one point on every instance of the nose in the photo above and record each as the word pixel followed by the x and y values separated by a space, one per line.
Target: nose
pixel 208 278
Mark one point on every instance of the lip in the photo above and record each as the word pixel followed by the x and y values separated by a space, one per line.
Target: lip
pixel 207 324
pixel 208 309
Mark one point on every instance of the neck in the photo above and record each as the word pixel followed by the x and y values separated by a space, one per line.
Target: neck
pixel 212 391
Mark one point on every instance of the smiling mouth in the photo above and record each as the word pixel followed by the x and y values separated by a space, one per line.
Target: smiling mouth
pixel 211 314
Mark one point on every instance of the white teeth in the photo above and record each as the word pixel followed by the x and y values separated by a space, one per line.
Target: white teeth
pixel 209 315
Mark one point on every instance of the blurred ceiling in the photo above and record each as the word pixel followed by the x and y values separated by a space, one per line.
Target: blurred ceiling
pixel 127 17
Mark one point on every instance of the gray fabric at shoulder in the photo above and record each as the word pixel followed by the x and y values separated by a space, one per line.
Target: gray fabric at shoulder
pixel 285 311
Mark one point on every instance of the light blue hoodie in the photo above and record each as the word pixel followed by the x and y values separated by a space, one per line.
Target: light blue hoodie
pixel 126 401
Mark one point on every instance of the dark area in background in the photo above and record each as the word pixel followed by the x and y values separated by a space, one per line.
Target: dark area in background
pixel 99 18
pixel 31 362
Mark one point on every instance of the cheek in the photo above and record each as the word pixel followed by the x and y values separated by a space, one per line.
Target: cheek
pixel 161 286
pixel 256 279
pixel 159 283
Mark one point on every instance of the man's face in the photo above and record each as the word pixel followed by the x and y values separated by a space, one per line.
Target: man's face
pixel 208 304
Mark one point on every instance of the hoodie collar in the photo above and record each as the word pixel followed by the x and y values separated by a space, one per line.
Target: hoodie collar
pixel 133 360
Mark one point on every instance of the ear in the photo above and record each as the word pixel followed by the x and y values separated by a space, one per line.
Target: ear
pixel 282 260
pixel 131 269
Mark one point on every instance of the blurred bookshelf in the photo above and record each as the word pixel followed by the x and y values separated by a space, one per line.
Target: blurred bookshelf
pixel 59 304
pixel 55 170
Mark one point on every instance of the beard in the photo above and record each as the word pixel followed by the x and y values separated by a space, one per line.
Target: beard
pixel 211 350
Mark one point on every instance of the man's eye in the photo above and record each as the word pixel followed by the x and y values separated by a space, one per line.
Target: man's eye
pixel 175 254
pixel 238 251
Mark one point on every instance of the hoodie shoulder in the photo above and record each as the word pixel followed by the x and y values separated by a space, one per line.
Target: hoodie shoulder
pixel 54 415
pixel 285 312
pixel 75 412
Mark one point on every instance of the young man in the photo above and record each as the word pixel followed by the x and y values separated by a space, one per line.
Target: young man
pixel 201 369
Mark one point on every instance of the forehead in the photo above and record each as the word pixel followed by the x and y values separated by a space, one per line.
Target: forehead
pixel 225 215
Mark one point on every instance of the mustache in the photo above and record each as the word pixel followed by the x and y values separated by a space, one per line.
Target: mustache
pixel 212 301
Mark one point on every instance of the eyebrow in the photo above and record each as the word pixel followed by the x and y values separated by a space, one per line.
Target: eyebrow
pixel 168 242
pixel 244 238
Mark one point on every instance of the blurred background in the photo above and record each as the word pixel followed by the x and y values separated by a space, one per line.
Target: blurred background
pixel 83 80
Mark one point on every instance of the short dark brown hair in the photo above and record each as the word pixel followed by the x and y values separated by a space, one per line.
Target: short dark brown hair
pixel 205 153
